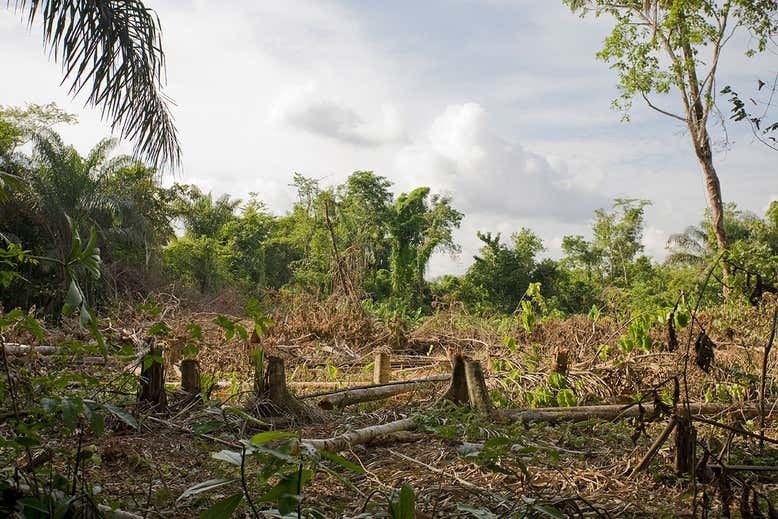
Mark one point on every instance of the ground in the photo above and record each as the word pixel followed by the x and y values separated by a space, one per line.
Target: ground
pixel 458 463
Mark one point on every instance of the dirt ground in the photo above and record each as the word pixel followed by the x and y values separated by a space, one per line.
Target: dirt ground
pixel 458 463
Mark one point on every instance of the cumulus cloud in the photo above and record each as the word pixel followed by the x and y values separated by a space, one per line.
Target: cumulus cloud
pixel 305 109
pixel 655 242
pixel 490 175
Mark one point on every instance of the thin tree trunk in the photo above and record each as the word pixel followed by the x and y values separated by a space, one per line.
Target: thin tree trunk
pixel 713 187
pixel 697 121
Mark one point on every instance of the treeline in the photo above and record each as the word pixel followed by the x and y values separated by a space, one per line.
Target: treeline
pixel 358 239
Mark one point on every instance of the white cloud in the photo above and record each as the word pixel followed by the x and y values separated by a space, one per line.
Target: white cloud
pixel 306 109
pixel 487 174
pixel 655 242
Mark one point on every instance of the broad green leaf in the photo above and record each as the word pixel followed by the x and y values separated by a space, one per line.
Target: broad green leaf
pixel 566 398
pixel 284 494
pixel 343 462
pixel 206 427
pixel 405 505
pixel 223 508
pixel 235 458
pixel 478 513
pixel 69 412
pixel 122 415
pixel 269 436
pixel 73 299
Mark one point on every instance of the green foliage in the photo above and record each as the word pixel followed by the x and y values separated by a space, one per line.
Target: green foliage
pixel 637 336
pixel 417 228
pixel 281 468
pixel 403 504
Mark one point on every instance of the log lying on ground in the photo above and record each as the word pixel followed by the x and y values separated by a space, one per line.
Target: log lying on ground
pixel 14 348
pixel 376 392
pixel 614 412
pixel 338 386
pixel 359 436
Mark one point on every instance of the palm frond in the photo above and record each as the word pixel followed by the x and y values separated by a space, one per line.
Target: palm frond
pixel 113 50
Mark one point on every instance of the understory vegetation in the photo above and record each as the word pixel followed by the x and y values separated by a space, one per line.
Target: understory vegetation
pixel 115 286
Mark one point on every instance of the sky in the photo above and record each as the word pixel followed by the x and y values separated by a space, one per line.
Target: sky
pixel 500 104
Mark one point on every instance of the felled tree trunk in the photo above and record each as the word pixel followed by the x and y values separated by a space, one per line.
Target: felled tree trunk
pixel 275 398
pixel 476 387
pixel 151 391
pixel 457 391
pixel 190 376
pixel 370 393
pixel 359 436
pixel 616 411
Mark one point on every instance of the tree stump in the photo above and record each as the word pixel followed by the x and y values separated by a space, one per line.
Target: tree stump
pixel 457 391
pixel 190 376
pixel 685 446
pixel 562 361
pixel 382 368
pixel 476 387
pixel 151 389
pixel 276 399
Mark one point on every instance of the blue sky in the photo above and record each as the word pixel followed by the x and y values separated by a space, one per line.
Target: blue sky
pixel 499 103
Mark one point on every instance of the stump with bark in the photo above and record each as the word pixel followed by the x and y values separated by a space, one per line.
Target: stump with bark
pixel 561 362
pixel 685 446
pixel 273 398
pixel 476 387
pixel 190 376
pixel 151 389
pixel 382 368
pixel 457 391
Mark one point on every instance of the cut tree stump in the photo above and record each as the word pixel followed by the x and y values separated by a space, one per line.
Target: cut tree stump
pixel 476 388
pixel 562 361
pixel 151 390
pixel 457 391
pixel 274 398
pixel 382 368
pixel 367 394
pixel 685 446
pixel 190 376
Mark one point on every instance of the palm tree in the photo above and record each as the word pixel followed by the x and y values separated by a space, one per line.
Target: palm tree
pixel 62 187
pixel 113 50
pixel 691 247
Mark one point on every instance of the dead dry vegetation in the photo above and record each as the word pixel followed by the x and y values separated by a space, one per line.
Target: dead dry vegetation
pixel 684 434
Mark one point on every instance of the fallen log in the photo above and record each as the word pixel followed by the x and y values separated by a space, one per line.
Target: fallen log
pixel 617 411
pixel 14 348
pixel 358 436
pixel 324 384
pixel 376 392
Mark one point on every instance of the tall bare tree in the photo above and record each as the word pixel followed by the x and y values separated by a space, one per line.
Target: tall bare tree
pixel 674 47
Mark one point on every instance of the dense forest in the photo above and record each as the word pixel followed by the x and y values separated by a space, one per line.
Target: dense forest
pixel 359 239
pixel 172 352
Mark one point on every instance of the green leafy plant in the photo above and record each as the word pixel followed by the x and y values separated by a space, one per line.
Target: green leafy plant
pixel 282 468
